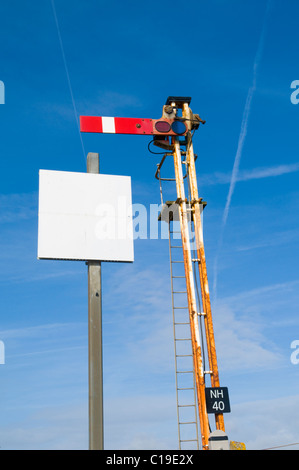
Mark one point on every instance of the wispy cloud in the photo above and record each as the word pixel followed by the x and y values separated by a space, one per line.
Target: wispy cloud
pixel 267 172
pixel 106 103
pixel 110 103
pixel 18 243
pixel 241 344
pixel 51 272
pixel 51 340
pixel 248 175
pixel 132 425
pixel 37 331
pixel 60 427
pixel 15 207
pixel 241 327
pixel 270 289
pixel 265 428
pixel 279 238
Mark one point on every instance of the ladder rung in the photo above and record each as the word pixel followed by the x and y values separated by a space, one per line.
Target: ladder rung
pixel 177 261
pixel 186 406
pixel 183 355
pixel 188 440
pixel 178 308
pixel 186 388
pixel 182 323
pixel 178 277
pixel 179 292
pixel 176 246
pixel 184 371
pixel 182 339
pixel 188 422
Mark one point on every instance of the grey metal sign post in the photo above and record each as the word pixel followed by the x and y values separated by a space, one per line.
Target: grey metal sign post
pixel 95 349
pixel 72 226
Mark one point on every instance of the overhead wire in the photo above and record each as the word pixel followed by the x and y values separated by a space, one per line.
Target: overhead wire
pixel 68 78
pixel 280 447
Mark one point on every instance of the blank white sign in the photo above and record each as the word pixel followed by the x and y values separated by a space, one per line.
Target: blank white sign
pixel 85 216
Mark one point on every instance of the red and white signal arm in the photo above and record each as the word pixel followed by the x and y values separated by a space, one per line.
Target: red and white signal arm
pixel 118 125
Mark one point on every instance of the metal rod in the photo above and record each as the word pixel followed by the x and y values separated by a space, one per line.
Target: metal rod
pixel 95 355
pixel 202 265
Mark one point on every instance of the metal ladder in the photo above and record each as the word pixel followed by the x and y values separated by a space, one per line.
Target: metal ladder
pixel 185 383
pixel 184 370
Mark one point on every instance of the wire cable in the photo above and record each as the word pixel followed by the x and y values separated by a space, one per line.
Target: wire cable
pixel 154 153
pixel 68 78
pixel 279 447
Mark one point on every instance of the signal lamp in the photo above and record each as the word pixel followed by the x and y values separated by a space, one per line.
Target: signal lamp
pixel 178 127
pixel 162 126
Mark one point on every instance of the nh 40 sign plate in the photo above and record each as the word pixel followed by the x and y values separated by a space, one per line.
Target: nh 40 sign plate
pixel 217 400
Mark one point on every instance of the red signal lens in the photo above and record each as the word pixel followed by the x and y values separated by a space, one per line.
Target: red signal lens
pixel 162 126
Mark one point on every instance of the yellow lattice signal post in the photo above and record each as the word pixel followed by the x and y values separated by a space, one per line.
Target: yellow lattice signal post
pixel 173 132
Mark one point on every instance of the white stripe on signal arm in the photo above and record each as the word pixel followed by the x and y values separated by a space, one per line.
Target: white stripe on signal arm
pixel 108 125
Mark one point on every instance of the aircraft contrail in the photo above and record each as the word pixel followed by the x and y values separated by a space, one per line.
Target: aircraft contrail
pixel 242 136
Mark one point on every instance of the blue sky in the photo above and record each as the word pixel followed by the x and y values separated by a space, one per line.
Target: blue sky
pixel 124 59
